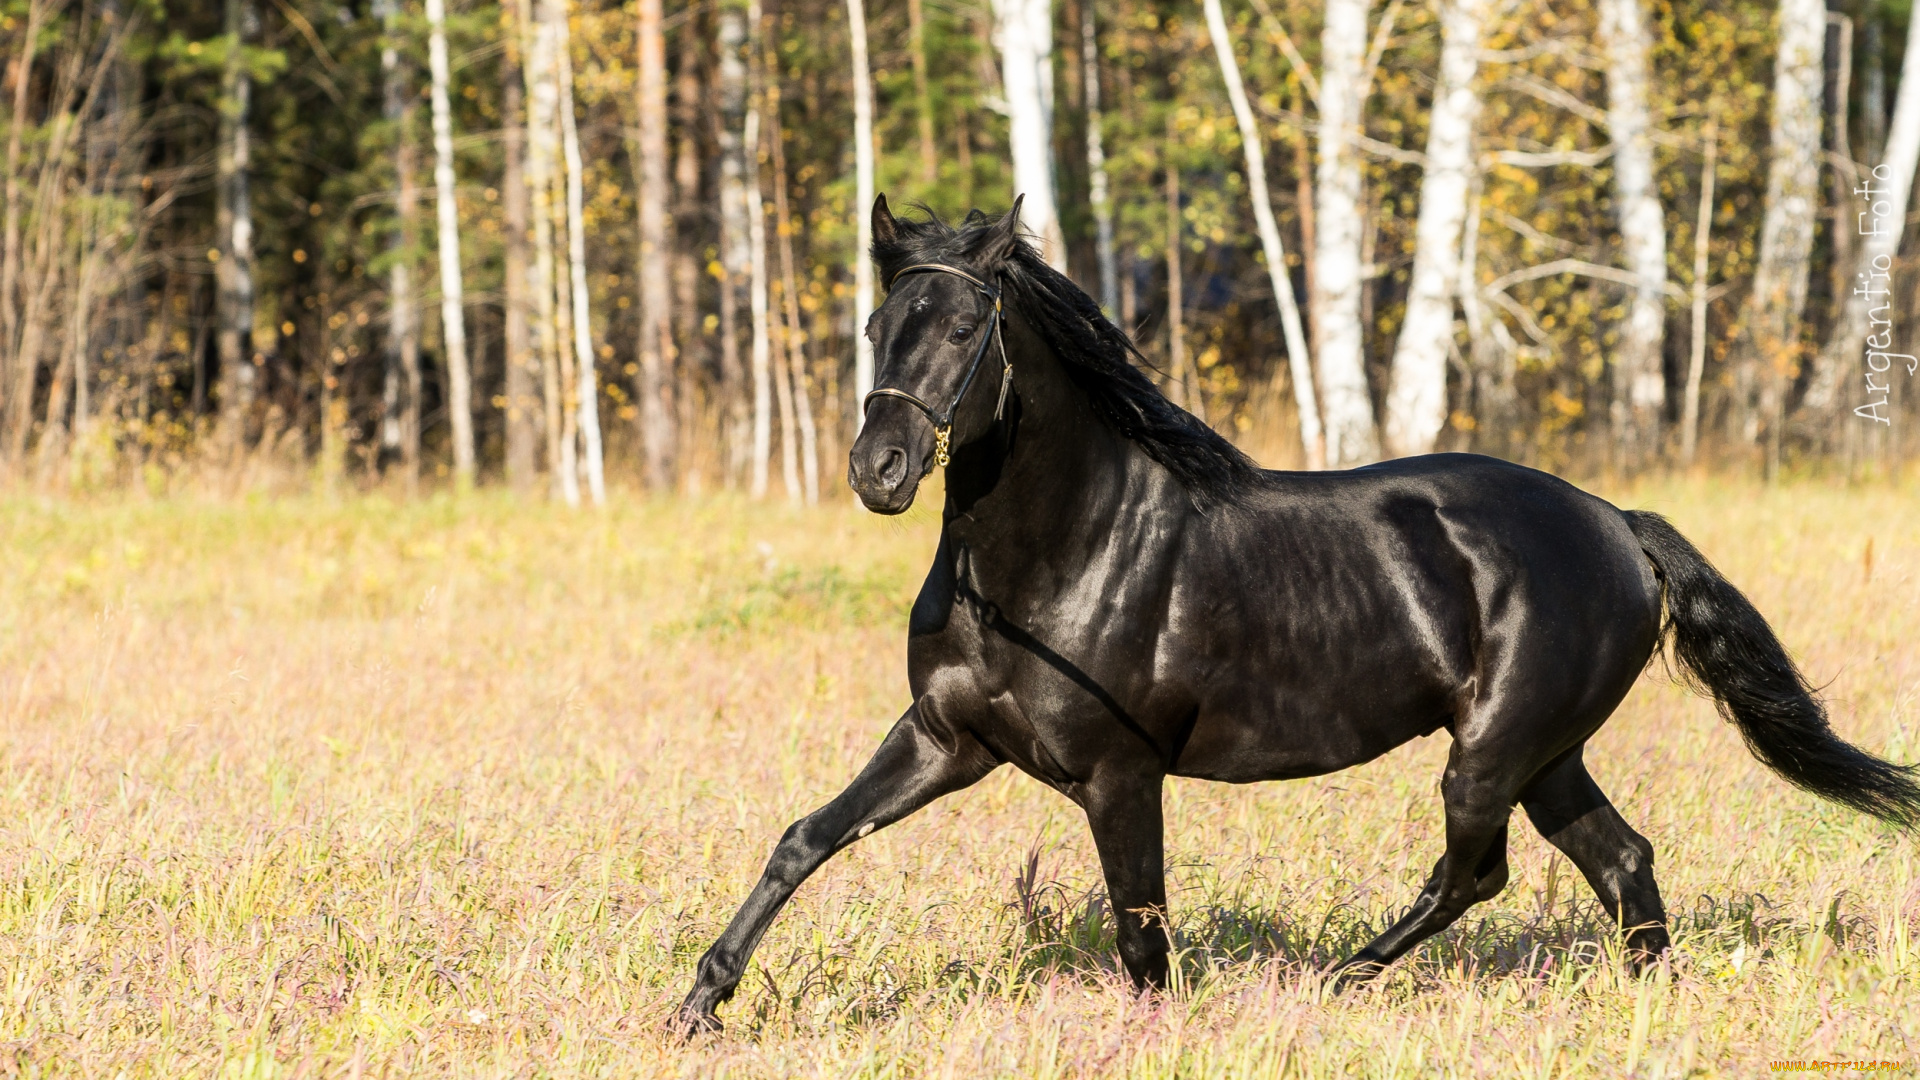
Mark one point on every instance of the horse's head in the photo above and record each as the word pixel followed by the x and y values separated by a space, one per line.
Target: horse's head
pixel 938 360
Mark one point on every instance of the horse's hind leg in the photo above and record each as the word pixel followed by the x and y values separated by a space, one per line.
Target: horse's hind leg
pixel 1478 795
pixel 1574 815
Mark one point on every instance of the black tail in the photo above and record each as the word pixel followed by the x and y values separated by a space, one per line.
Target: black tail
pixel 1727 650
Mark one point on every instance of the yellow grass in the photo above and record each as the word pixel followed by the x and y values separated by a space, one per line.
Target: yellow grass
pixel 373 788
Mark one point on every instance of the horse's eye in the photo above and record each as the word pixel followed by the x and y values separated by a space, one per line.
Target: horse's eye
pixel 962 332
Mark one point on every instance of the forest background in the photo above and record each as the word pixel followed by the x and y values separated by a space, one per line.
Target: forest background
pixel 543 243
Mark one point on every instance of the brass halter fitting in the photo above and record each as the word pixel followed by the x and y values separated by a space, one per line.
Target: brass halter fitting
pixel 943 421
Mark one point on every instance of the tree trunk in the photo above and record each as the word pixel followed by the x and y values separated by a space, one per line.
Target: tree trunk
pixel 654 387
pixel 795 333
pixel 687 355
pixel 1697 354
pixel 762 355
pixel 399 392
pixel 1340 345
pixel 542 104
pixel 10 258
pixel 521 364
pixel 1863 333
pixel 862 211
pixel 1299 367
pixel 589 384
pixel 1303 202
pixel 1417 390
pixel 735 245
pixel 1639 385
pixel 234 222
pixel 1770 335
pixel 453 319
pixel 1098 195
pixel 1026 72
pixel 922 93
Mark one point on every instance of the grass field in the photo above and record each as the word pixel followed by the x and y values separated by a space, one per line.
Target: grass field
pixel 366 788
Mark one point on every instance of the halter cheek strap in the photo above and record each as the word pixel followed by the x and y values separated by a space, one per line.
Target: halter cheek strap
pixel 942 421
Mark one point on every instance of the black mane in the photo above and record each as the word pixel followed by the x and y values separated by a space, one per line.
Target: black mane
pixel 1098 356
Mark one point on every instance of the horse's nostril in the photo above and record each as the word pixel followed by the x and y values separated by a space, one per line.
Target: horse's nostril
pixel 891 467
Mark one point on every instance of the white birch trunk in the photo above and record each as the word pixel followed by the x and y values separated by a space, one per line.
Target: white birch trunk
pixel 453 323
pixel 541 106
pixel 1339 217
pixel 1786 232
pixel 1097 193
pixel 1879 218
pixel 234 271
pixel 761 365
pixel 1299 367
pixel 1417 390
pixel 1025 31
pixel 862 211
pixel 730 31
pixel 589 387
pixel 1639 388
pixel 1697 351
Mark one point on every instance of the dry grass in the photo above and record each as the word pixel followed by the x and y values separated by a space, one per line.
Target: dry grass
pixel 365 788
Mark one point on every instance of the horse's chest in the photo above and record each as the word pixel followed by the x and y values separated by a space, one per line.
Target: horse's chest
pixel 1041 697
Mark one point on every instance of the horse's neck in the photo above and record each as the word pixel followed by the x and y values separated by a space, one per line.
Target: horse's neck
pixel 1062 476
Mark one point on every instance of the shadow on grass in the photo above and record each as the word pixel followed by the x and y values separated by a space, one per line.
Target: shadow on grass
pixel 1048 931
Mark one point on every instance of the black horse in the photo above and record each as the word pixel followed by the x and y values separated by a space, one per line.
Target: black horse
pixel 1119 595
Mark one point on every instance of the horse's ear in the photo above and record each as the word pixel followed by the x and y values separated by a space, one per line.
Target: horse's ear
pixel 1005 236
pixel 885 229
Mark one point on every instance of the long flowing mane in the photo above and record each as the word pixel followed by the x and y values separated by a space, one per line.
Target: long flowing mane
pixel 1100 359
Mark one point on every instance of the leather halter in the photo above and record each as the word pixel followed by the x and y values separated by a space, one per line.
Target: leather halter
pixel 943 421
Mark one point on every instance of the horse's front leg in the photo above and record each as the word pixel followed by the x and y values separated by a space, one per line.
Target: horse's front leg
pixel 1124 813
pixel 910 770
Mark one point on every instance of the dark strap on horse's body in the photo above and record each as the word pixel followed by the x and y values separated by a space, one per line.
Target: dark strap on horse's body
pixel 943 421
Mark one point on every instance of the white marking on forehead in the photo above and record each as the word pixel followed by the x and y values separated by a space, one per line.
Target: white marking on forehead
pixel 922 304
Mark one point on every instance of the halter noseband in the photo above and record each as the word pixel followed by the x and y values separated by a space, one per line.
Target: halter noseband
pixel 943 421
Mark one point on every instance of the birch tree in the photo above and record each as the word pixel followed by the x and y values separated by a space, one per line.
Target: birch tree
pixel 862 209
pixel 10 259
pixel 453 320
pixel 1299 367
pixel 1346 408
pixel 1639 387
pixel 1771 327
pixel 1098 195
pixel 1880 221
pixel 653 388
pixel 1025 33
pixel 520 363
pixel 1697 351
pixel 762 355
pixel 234 220
pixel 542 104
pixel 588 388
pixel 400 377
pixel 735 245
pixel 1417 387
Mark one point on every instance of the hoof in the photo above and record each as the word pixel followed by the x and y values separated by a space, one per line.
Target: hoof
pixel 688 1023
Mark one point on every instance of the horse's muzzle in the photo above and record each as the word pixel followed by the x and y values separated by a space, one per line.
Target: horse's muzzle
pixel 883 472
